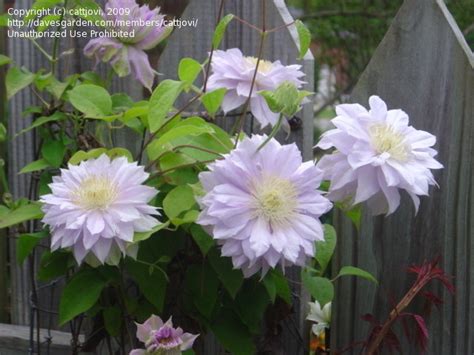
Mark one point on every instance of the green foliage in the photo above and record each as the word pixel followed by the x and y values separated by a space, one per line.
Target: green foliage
pixel 220 30
pixel 286 99
pixel 320 288
pixel 355 271
pixel 162 101
pixel 80 294
pixel 304 36
pixel 212 100
pixel 26 243
pixel 231 279
pixel 92 100
pixel 189 70
pixel 17 79
pixel 232 334
pixel 36 165
pixel 4 59
pixel 21 214
pixel 325 248
pixel 201 284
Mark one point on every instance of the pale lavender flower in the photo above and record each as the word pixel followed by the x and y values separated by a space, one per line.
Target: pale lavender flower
pixel 233 71
pixel 377 154
pixel 95 208
pixel 162 338
pixel 126 54
pixel 262 206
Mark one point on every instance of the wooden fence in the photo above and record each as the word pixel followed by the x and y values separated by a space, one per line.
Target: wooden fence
pixel 423 65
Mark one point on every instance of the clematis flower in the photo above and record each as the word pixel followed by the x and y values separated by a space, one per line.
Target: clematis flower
pixel 235 72
pixel 377 154
pixel 126 54
pixel 95 208
pixel 162 338
pixel 262 206
pixel 321 316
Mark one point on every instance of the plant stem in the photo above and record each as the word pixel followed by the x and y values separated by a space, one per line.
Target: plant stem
pixel 263 34
pixel 406 300
pixel 54 56
pixel 208 67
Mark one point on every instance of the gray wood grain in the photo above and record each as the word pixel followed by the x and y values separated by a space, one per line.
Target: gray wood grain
pixel 424 66
pixel 282 45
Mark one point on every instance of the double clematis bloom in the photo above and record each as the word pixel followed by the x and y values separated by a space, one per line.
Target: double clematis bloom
pixel 162 338
pixel 377 154
pixel 235 72
pixel 126 54
pixel 262 206
pixel 95 208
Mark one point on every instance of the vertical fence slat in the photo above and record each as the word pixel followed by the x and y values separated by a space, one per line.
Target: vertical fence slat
pixel 424 66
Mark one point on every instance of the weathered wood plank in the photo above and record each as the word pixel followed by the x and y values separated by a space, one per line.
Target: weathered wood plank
pixel 424 66
pixel 195 43
pixel 14 340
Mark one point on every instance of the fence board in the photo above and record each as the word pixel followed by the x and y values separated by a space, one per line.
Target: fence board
pixel 424 66
pixel 195 43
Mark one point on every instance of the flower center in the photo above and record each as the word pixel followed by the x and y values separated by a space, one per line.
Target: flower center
pixel 264 66
pixel 275 199
pixel 386 140
pixel 95 193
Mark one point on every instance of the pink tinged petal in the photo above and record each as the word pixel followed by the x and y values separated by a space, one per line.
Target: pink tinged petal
pixel 138 352
pixel 140 67
pixel 391 194
pixel 89 240
pixel 351 110
pixel 79 252
pixel 397 118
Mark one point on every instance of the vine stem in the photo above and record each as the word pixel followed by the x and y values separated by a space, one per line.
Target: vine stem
pixel 54 55
pixel 208 67
pixel 263 35
pixel 406 300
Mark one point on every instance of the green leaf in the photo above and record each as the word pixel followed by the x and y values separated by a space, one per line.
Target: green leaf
pixel 53 152
pixel 355 271
pixel 26 243
pixel 55 264
pixel 178 200
pixel 21 214
pixel 325 248
pixel 202 239
pixel 212 100
pixel 232 334
pixel 80 294
pixel 286 99
pixel 189 70
pixel 251 303
pixel 355 215
pixel 231 278
pixel 162 101
pixel 92 100
pixel 4 60
pixel 16 80
pixel 220 30
pixel 56 116
pixel 141 236
pixel 153 286
pixel 201 282
pixel 119 152
pixel 277 285
pixel 112 320
pixel 304 36
pixel 182 131
pixel 37 165
pixel 82 155
pixel 320 288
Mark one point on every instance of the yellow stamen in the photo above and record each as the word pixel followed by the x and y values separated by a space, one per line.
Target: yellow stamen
pixel 386 140
pixel 95 193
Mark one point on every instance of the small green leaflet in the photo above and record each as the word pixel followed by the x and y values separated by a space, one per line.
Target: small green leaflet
pixel 304 37
pixel 220 30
